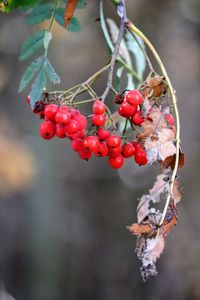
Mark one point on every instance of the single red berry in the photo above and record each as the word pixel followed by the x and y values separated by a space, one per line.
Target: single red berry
pixel 64 109
pixel 84 154
pixel 50 111
pixel 77 144
pixel 116 162
pixel 136 145
pixel 114 152
pixel 60 131
pixel 99 120
pixel 103 134
pixel 82 120
pixel 134 97
pixel 47 130
pixel 140 157
pixel 28 99
pixel 63 118
pixel 82 133
pixel 128 150
pixel 74 113
pixel 169 118
pixel 126 110
pixel 102 150
pixel 113 141
pixel 137 118
pixel 90 143
pixel 73 127
pixel 98 107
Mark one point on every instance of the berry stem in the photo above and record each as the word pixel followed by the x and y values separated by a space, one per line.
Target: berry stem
pixel 134 30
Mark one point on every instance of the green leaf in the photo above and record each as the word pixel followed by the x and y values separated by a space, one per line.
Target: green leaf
pixel 32 44
pixel 74 25
pixel 38 87
pixel 59 16
pixel 51 73
pixel 81 4
pixel 137 52
pixel 40 13
pixel 47 39
pixel 30 72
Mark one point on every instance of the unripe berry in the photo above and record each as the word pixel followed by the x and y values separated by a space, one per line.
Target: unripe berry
pixel 103 134
pixel 73 127
pixel 113 141
pixel 60 131
pixel 99 120
pixel 140 157
pixel 134 97
pixel 98 107
pixel 116 162
pixel 126 110
pixel 137 118
pixel 128 150
pixel 47 130
pixel 50 111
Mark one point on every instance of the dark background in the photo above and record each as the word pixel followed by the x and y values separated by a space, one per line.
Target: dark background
pixel 63 221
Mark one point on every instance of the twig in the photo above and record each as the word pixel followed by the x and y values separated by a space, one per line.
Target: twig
pixel 115 52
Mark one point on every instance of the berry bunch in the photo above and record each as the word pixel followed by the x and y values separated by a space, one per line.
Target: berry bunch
pixel 99 139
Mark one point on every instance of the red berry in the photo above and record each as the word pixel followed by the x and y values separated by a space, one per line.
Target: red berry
pixel 113 141
pixel 84 154
pixel 98 107
pixel 77 144
pixel 136 145
pixel 137 118
pixel 90 143
pixel 50 111
pixel 116 162
pixel 73 136
pixel 74 113
pixel 47 130
pixel 73 127
pixel 64 109
pixel 102 150
pixel 126 110
pixel 128 150
pixel 98 120
pixel 134 97
pixel 82 133
pixel 28 99
pixel 63 118
pixel 103 134
pixel 114 152
pixel 60 131
pixel 140 157
pixel 82 120
pixel 169 118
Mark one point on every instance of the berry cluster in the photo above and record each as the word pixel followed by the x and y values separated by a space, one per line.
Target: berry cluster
pixel 65 121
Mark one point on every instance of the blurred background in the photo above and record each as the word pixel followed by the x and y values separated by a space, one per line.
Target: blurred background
pixel 62 220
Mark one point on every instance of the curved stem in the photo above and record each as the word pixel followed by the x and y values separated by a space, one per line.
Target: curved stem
pixel 133 29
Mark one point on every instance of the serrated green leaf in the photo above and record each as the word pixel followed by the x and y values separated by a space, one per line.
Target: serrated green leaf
pixel 38 87
pixel 47 39
pixel 59 16
pixel 74 25
pixel 40 13
pixel 51 73
pixel 32 44
pixel 30 73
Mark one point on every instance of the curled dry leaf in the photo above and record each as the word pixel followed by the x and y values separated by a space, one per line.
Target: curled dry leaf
pixel 69 11
pixel 169 162
pixel 155 87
